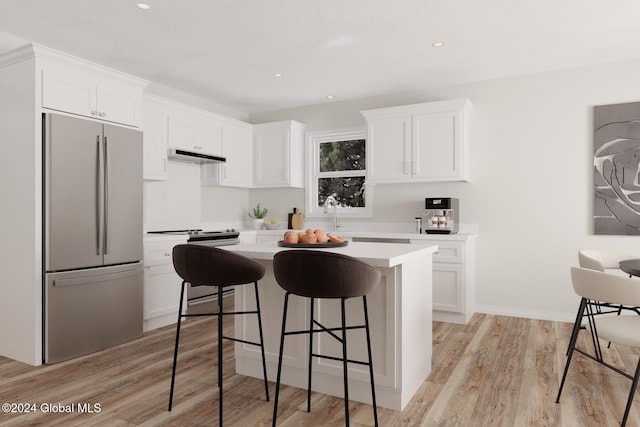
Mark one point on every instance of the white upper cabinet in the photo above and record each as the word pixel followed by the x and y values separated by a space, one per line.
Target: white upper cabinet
pixel 279 154
pixel 155 141
pixel 78 87
pixel 418 143
pixel 237 148
pixel 196 130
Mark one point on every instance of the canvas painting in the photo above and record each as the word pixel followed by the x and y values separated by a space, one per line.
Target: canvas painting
pixel 616 162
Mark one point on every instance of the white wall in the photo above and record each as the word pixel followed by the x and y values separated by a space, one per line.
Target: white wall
pixel 531 190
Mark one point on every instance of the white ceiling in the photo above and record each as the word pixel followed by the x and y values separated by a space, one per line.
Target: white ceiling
pixel 226 51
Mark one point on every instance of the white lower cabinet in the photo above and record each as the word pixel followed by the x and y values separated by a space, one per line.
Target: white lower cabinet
pixel 161 284
pixel 453 279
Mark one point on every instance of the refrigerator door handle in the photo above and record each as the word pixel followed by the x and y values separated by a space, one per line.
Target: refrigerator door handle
pixel 106 198
pixel 97 194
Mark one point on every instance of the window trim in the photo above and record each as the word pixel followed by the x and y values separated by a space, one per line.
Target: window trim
pixel 314 139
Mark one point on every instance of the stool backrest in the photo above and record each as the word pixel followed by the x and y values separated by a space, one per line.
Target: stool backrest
pixel 321 274
pixel 206 265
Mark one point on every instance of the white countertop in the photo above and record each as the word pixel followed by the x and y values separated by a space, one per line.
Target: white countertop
pixel 376 254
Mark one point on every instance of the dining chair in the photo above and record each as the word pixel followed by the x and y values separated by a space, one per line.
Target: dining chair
pixel 593 285
pixel 603 261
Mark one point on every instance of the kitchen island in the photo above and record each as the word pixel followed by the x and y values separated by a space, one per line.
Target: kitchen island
pixel 400 319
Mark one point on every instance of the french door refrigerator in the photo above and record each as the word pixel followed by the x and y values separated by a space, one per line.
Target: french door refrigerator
pixel 93 280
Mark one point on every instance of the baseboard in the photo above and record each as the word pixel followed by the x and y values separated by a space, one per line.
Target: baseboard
pixel 526 313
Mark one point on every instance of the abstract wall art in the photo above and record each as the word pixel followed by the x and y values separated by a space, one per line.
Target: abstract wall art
pixel 616 160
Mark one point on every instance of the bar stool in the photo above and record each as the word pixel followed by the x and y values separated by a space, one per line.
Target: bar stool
pixel 317 274
pixel 200 265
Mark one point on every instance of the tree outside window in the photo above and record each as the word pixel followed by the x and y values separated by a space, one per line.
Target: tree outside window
pixel 338 157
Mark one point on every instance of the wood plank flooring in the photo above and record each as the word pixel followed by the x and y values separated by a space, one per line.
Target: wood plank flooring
pixel 494 371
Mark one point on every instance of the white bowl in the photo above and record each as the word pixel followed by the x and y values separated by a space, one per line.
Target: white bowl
pixel 275 226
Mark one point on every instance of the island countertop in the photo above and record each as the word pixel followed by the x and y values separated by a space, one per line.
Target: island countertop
pixel 376 254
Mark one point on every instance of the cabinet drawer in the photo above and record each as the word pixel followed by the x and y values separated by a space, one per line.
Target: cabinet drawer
pixel 156 253
pixel 449 252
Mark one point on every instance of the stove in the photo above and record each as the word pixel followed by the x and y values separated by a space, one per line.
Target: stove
pixel 209 238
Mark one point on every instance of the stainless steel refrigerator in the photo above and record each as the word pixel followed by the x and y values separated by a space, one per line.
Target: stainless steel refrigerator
pixel 93 279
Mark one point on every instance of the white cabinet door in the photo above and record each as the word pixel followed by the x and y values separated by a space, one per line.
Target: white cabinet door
pixel 437 149
pixel 279 154
pixel 193 130
pixel 237 148
pixel 272 157
pixel 161 296
pixel 155 140
pixel 389 150
pixel 161 284
pixel 448 287
pixel 119 103
pixel 70 90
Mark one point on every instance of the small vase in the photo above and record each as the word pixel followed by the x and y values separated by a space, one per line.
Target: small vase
pixel 257 223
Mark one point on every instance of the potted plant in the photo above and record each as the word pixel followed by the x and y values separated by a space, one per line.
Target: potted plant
pixel 257 216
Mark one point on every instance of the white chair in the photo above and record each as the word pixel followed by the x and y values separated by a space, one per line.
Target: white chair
pixel 603 261
pixel 592 285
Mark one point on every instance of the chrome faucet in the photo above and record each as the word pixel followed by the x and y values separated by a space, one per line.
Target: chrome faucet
pixel 331 201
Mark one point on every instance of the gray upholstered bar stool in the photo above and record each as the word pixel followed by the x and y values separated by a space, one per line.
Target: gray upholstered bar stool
pixel 318 274
pixel 199 265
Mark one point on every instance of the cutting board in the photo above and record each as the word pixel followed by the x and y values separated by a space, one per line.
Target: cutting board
pixel 297 221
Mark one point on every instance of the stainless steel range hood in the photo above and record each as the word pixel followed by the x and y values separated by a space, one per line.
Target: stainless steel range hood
pixel 180 155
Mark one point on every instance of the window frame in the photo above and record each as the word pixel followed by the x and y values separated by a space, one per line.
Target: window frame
pixel 314 139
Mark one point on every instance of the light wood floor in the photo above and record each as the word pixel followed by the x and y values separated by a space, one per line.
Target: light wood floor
pixel 495 371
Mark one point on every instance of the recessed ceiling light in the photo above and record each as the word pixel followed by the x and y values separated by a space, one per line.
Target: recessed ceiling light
pixel 437 44
pixel 277 74
pixel 143 6
pixel 329 96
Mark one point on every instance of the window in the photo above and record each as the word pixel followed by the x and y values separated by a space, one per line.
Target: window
pixel 337 170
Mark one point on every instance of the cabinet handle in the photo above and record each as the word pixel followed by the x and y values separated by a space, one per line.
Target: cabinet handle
pixel 406 168
pixel 197 147
pixel 102 114
pixel 94 113
pixel 414 167
pixel 167 254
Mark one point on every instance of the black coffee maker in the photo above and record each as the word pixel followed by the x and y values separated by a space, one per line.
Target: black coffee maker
pixel 440 215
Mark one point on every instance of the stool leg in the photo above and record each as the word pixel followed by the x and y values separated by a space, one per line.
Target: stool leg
pixel 344 364
pixel 264 361
pixel 284 323
pixel 175 350
pixel 373 389
pixel 220 355
pixel 310 355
